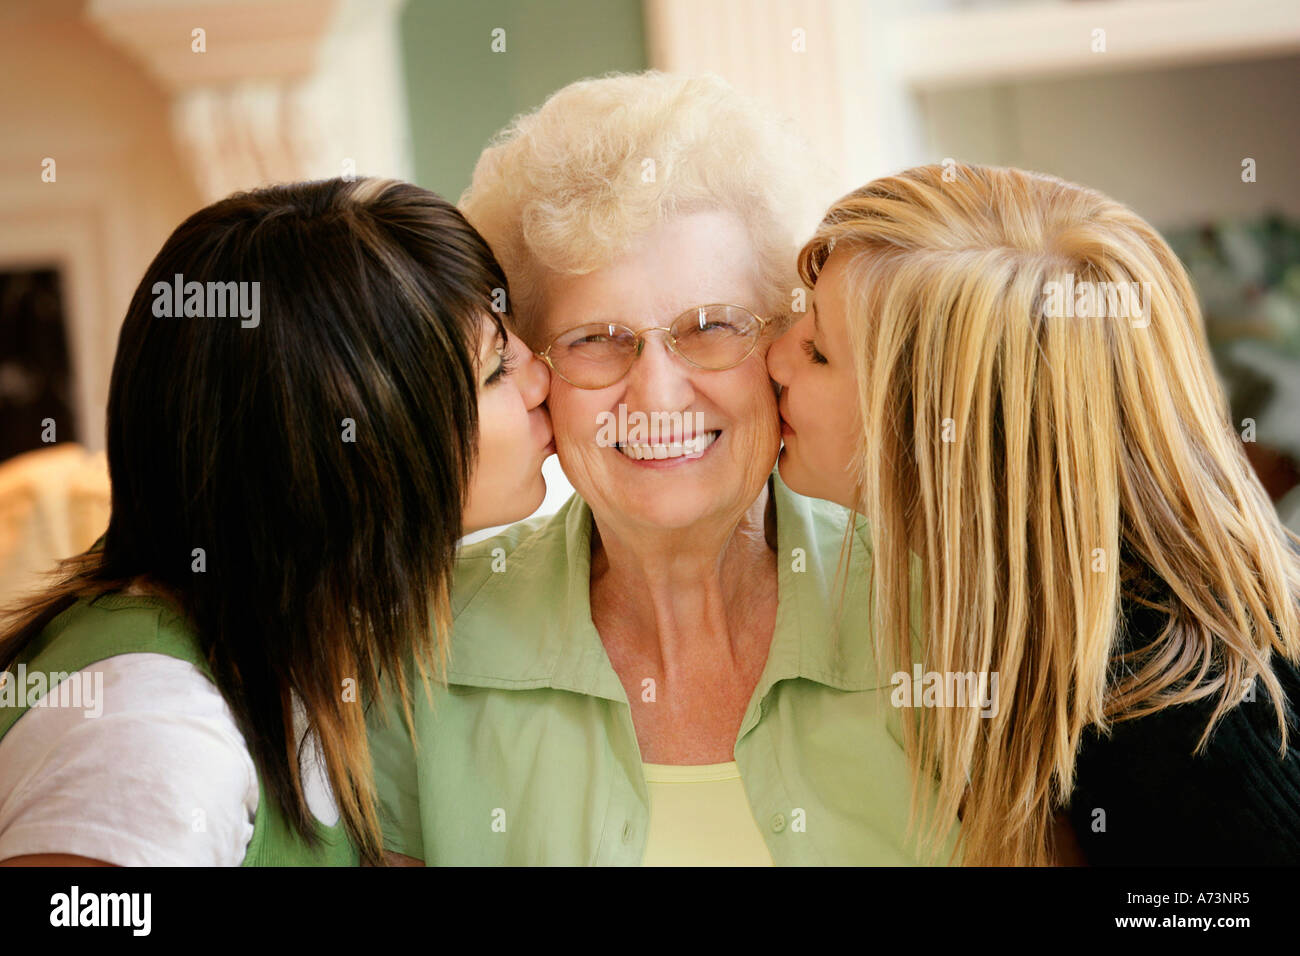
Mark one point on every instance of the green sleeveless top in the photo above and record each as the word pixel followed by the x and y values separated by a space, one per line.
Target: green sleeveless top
pixel 89 632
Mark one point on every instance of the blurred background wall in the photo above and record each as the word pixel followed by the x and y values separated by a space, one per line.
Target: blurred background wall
pixel 461 92
pixel 120 117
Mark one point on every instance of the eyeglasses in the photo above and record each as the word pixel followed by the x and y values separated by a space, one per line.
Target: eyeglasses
pixel 713 337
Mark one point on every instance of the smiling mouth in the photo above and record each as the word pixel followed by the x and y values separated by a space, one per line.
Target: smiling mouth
pixel 691 447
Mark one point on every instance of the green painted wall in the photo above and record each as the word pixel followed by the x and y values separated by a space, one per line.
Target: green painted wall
pixel 460 92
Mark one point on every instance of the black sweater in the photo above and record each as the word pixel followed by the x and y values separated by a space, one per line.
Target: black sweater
pixel 1236 803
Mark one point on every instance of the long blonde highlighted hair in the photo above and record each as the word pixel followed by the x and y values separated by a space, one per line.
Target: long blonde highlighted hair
pixel 1049 468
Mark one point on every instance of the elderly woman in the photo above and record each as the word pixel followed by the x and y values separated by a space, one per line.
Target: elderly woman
pixel 663 671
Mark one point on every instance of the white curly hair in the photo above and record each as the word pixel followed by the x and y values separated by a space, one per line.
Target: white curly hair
pixel 568 187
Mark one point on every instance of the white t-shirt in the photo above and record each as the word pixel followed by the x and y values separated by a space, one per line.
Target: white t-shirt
pixel 162 777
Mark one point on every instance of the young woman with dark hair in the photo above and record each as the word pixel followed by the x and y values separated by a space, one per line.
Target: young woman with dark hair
pixel 289 479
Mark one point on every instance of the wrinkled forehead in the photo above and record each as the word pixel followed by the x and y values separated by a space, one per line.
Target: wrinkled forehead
pixel 687 262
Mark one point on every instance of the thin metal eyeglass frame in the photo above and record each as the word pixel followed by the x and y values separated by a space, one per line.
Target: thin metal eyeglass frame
pixel 639 337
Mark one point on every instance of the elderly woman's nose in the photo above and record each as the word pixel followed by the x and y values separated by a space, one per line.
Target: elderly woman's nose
pixel 659 378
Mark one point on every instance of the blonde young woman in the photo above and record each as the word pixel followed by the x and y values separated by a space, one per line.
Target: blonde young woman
pixel 1008 375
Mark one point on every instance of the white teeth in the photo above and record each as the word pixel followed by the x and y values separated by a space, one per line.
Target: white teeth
pixel 691 446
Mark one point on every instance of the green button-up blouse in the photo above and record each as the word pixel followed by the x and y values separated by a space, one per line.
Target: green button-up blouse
pixel 528 755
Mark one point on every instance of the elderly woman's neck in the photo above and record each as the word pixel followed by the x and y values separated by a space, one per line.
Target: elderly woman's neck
pixel 696 576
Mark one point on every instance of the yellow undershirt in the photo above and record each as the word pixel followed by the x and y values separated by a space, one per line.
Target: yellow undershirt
pixel 700 816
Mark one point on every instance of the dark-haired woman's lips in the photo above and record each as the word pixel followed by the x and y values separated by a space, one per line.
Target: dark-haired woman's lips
pixel 542 426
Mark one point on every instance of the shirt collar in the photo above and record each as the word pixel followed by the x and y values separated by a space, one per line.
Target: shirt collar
pixel 523 615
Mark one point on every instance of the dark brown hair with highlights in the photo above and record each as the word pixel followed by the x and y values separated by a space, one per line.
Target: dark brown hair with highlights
pixel 327 561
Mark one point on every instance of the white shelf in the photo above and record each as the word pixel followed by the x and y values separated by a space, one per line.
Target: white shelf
pixel 1022 41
